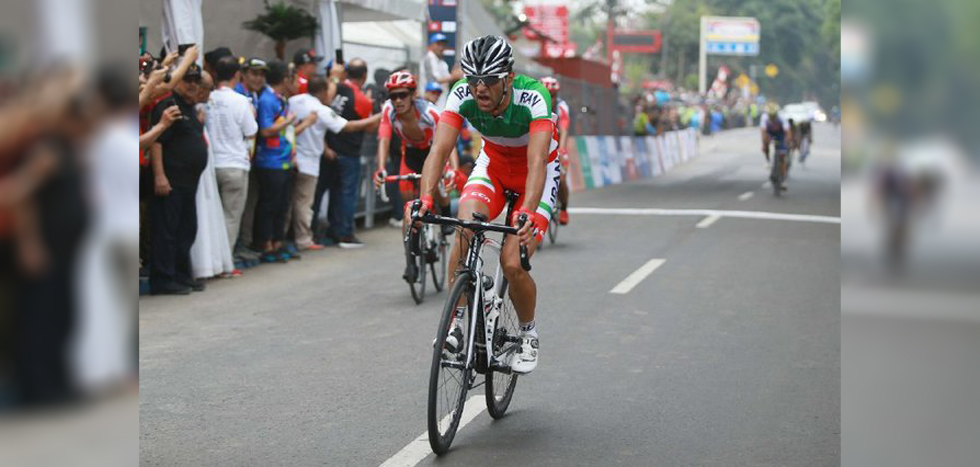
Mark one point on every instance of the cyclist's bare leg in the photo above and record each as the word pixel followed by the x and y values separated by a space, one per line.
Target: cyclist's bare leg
pixel 523 291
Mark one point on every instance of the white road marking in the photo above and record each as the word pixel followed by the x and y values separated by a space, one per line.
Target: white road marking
pixel 637 276
pixel 707 221
pixel 746 195
pixel 419 448
pixel 775 216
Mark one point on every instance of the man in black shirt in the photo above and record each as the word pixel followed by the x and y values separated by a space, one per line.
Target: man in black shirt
pixel 178 157
pixel 351 103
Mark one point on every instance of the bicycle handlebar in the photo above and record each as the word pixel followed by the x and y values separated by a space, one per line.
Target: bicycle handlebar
pixel 476 226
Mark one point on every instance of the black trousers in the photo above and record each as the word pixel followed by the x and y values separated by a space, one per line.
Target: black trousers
pixel 173 219
pixel 329 177
pixel 273 203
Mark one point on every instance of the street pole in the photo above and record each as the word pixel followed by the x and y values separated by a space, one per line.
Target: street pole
pixel 702 61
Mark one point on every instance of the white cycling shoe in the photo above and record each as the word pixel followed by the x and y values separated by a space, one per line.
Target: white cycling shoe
pixel 526 360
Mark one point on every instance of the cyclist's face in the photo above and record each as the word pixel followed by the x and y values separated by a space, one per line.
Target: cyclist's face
pixel 402 99
pixel 488 95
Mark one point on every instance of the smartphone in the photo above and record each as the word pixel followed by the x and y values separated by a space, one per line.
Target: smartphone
pixel 340 57
pixel 183 48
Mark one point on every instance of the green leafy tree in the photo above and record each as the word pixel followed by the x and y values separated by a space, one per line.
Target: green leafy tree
pixel 283 23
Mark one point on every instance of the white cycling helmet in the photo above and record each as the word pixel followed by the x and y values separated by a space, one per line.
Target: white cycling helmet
pixel 486 56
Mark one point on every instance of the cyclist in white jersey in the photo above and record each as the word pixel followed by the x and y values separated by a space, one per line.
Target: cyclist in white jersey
pixel 513 115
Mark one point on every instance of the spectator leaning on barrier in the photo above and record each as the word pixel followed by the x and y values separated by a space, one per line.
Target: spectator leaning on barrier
pixel 231 123
pixel 178 157
pixel 351 104
pixel 274 162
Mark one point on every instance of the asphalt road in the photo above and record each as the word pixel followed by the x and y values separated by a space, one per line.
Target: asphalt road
pixel 727 354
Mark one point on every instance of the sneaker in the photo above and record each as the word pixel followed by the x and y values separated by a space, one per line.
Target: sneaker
pixel 395 223
pixel 563 217
pixel 195 285
pixel 314 247
pixel 526 360
pixel 350 242
pixel 326 241
pixel 454 341
pixel 293 252
pixel 169 288
pixel 270 257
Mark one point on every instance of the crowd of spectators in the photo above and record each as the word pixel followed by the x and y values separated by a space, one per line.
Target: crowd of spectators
pixel 656 112
pixel 270 139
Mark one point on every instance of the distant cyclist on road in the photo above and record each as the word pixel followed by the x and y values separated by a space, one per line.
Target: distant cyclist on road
pixel 560 115
pixel 776 129
pixel 414 120
pixel 513 113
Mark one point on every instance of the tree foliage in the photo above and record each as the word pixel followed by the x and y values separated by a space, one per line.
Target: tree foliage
pixel 281 23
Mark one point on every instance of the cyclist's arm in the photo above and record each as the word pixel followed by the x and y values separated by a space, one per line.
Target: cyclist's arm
pixel 384 144
pixel 443 144
pixel 537 155
pixel 454 159
pixel 562 139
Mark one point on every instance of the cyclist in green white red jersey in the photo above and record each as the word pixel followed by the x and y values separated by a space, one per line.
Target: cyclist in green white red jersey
pixel 513 114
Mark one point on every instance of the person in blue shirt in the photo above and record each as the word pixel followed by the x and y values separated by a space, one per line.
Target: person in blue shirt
pixel 274 161
pixel 253 82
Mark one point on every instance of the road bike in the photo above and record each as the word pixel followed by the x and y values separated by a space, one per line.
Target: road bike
pixel 427 251
pixel 478 331
pixel 777 173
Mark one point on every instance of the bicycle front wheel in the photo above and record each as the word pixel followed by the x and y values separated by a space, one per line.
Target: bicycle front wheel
pixel 418 285
pixel 438 266
pixel 506 342
pixel 449 377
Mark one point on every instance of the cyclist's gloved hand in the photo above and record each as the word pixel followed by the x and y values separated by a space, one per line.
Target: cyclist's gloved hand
pixel 460 180
pixel 379 178
pixel 531 229
pixel 424 205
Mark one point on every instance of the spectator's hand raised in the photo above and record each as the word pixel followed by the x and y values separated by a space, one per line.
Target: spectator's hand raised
pixel 192 52
pixel 169 59
pixel 170 115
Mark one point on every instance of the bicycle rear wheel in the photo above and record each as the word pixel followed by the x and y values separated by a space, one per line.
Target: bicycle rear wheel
pixel 418 286
pixel 553 228
pixel 449 377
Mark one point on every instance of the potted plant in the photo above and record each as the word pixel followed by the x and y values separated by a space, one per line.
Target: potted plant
pixel 283 23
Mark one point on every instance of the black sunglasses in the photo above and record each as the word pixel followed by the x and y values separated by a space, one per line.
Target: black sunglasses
pixel 397 96
pixel 487 80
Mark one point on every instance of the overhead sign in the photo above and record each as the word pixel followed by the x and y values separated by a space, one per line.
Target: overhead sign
pixel 729 35
pixel 636 41
pixel 550 20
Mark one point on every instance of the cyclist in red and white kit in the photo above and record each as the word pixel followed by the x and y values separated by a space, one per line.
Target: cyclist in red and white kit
pixel 560 115
pixel 414 119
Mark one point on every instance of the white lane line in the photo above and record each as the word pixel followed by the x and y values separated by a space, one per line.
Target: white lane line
pixel 707 221
pixel 637 276
pixel 746 195
pixel 775 216
pixel 419 448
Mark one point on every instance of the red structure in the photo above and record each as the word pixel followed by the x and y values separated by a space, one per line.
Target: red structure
pixel 579 68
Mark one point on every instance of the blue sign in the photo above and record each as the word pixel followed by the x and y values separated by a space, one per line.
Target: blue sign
pixel 732 48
